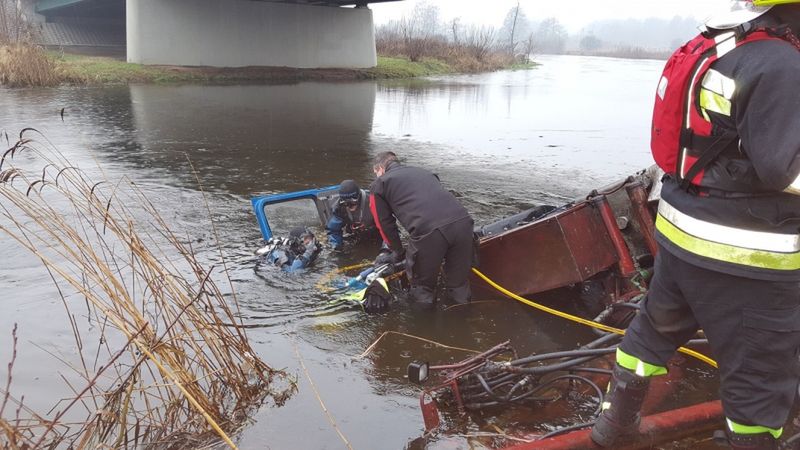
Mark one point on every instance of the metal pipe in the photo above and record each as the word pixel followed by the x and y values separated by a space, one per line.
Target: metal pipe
pixel 626 266
pixel 657 429
pixel 638 197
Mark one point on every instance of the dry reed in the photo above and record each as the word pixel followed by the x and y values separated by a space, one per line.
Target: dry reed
pixel 180 372
pixel 26 65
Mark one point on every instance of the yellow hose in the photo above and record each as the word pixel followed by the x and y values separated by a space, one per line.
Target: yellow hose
pixel 325 279
pixel 580 320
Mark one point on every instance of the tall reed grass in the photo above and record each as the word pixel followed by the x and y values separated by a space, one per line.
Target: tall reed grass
pixel 27 65
pixel 179 371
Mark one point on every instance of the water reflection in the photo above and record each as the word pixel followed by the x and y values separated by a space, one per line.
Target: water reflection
pixel 501 141
pixel 246 139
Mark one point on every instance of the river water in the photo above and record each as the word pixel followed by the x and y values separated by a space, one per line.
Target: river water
pixel 502 141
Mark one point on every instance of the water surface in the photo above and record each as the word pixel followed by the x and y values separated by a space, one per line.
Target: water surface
pixel 501 141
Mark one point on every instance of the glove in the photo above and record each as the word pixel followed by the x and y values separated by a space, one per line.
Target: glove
pixel 376 298
pixel 389 257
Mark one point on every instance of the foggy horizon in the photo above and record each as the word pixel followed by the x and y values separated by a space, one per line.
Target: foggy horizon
pixel 574 15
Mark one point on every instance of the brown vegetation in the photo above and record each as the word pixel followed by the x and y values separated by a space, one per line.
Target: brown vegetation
pixel 175 367
pixel 470 50
pixel 23 64
pixel 465 48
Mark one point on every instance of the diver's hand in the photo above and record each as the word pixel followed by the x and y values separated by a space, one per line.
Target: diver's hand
pixel 376 297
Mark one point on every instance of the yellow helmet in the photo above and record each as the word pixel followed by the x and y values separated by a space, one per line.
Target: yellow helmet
pixel 741 11
pixel 773 2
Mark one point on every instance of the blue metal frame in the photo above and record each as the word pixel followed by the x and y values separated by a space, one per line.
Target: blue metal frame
pixel 259 203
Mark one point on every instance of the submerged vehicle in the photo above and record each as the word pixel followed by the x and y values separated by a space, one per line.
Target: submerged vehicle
pixel 604 239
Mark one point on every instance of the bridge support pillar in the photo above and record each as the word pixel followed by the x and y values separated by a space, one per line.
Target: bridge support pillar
pixel 239 33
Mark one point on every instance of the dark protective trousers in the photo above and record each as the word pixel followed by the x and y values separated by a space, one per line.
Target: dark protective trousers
pixel 753 328
pixel 453 243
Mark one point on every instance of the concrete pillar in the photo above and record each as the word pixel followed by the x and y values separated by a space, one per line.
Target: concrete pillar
pixel 238 33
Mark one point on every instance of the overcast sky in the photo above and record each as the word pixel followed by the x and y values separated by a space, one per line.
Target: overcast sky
pixel 574 14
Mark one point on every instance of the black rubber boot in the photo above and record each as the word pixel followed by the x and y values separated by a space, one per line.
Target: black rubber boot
pixel 620 420
pixel 760 441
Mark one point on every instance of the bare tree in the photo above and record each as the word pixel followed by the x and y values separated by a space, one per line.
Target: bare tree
pixel 551 36
pixel 420 30
pixel 480 41
pixel 528 48
pixel 3 24
pixel 513 29
pixel 515 25
pixel 455 28
pixel 13 27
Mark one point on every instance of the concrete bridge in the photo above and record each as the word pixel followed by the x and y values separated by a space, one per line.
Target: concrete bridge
pixel 232 33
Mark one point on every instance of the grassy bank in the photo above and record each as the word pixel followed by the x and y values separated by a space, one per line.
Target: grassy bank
pixel 31 66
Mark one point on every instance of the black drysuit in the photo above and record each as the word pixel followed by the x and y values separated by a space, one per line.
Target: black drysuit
pixel 438 225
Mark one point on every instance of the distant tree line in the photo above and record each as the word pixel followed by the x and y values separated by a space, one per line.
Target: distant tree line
pixel 424 34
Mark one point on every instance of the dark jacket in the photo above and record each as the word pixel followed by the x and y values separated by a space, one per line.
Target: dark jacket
pixel 343 221
pixel 748 179
pixel 415 198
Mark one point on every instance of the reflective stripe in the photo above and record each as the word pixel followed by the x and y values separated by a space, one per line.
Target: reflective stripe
pixel 719 84
pixel 638 366
pixel 716 93
pixel 359 296
pixel 711 101
pixel 794 188
pixel 725 43
pixel 722 234
pixel 703 238
pixel 753 429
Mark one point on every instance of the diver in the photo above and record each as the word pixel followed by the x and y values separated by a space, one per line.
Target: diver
pixel 295 253
pixel 439 227
pixel 351 216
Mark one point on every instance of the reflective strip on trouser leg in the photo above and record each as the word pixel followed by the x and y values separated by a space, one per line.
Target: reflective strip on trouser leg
pixel 775 251
pixel 794 188
pixel 753 429
pixel 638 366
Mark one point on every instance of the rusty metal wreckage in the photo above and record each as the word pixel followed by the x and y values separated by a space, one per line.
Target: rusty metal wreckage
pixel 603 242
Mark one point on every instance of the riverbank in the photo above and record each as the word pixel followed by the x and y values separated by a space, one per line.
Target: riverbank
pixel 59 68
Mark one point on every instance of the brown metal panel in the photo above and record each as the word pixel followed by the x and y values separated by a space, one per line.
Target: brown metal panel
pixel 565 249
pixel 590 244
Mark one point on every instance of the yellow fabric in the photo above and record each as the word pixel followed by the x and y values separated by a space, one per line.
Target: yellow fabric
pixel 728 253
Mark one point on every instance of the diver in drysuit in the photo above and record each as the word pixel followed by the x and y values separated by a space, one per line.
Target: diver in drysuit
pixel 351 216
pixel 295 253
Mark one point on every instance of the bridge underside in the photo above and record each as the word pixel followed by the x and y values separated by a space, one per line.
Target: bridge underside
pixel 116 8
pixel 234 33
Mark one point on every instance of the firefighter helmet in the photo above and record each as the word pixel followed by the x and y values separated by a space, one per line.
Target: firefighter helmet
pixel 742 11
pixel 773 2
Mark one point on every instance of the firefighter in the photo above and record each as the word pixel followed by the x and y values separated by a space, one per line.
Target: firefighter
pixel 438 225
pixel 727 228
pixel 351 215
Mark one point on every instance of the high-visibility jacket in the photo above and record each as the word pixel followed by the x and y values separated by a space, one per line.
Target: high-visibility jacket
pixel 745 219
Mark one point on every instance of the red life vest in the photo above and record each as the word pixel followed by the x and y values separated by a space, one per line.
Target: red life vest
pixel 681 140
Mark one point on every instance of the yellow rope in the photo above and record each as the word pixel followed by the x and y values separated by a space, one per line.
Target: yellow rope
pixel 580 320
